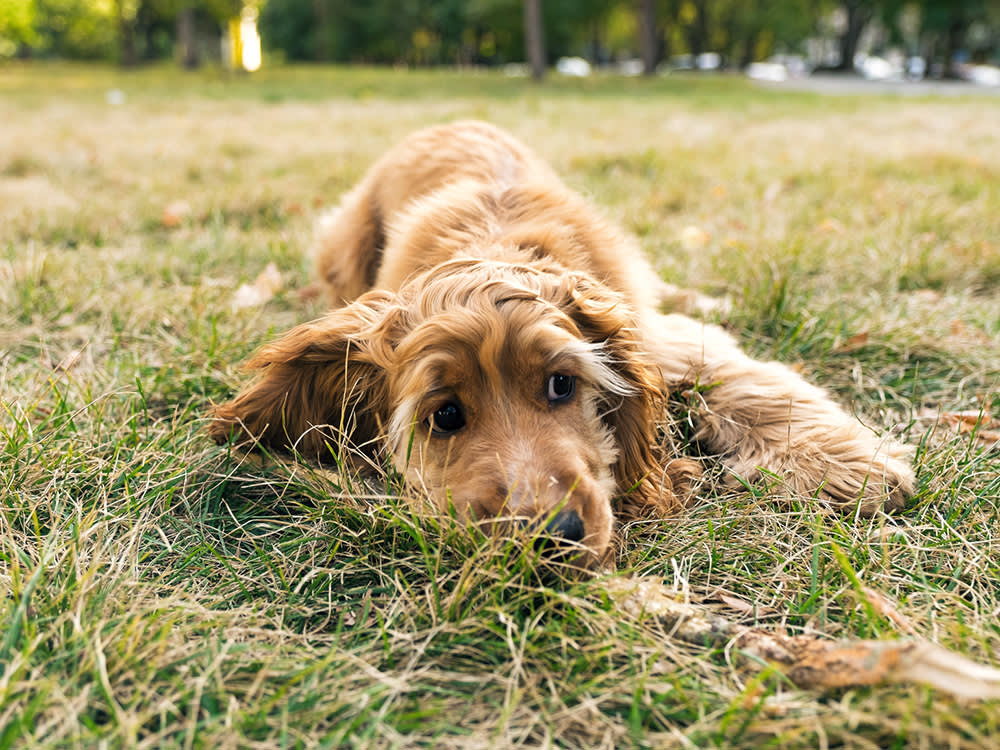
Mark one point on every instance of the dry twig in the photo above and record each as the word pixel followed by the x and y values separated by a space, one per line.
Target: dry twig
pixel 809 661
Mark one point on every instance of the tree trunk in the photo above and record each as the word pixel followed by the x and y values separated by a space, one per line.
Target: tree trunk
pixel 186 42
pixel 952 44
pixel 534 38
pixel 858 16
pixel 126 38
pixel 649 38
pixel 697 32
pixel 322 47
pixel 749 48
pixel 595 55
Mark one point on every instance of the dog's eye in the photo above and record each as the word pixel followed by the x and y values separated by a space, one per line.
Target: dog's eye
pixel 447 418
pixel 561 387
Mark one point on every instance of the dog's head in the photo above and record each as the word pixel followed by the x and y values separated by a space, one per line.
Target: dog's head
pixel 515 393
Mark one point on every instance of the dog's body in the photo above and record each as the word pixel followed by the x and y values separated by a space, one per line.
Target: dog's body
pixel 504 344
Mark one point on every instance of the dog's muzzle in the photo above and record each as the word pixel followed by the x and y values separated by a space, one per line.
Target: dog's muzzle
pixel 562 535
pixel 565 525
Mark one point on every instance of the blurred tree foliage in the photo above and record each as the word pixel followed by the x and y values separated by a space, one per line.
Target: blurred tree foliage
pixel 487 32
pixel 420 32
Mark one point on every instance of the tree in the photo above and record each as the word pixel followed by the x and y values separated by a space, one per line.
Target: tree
pixel 696 29
pixel 858 14
pixel 757 28
pixel 186 38
pixel 534 37
pixel 17 27
pixel 946 25
pixel 650 46
pixel 126 11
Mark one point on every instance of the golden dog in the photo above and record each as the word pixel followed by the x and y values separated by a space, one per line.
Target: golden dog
pixel 502 344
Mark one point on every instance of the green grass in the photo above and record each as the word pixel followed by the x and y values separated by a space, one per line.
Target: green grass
pixel 159 591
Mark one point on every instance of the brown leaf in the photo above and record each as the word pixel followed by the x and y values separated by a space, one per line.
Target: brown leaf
pixel 70 361
pixel 263 288
pixel 960 330
pixel 930 296
pixel 855 342
pixel 881 604
pixel 830 226
pixel 773 191
pixel 310 291
pixel 743 606
pixel 978 423
pixel 694 238
pixel 968 420
pixel 175 214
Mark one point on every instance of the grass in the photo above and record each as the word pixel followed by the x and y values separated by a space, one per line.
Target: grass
pixel 161 592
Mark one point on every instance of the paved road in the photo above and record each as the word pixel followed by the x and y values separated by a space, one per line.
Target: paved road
pixel 843 85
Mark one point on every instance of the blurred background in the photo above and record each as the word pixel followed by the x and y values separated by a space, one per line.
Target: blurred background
pixel 768 39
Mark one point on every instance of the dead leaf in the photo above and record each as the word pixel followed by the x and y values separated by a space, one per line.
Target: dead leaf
pixel 772 191
pixel 175 214
pixel 989 438
pixel 694 238
pixel 263 288
pixel 310 291
pixel 881 604
pixel 929 296
pixel 830 226
pixel 855 342
pixel 968 420
pixel 978 423
pixel 960 330
pixel 70 361
pixel 742 606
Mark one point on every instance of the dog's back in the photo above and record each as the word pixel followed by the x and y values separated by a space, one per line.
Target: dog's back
pixel 352 238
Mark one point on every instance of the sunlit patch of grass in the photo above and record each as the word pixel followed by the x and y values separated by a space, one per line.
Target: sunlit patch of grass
pixel 159 590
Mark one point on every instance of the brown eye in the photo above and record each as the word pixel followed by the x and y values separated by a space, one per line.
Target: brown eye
pixel 446 419
pixel 561 387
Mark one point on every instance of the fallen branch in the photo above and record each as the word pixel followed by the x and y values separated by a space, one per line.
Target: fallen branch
pixel 809 661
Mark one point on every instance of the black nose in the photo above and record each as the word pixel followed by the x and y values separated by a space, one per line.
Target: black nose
pixel 566 524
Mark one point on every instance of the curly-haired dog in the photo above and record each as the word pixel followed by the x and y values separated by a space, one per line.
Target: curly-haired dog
pixel 503 345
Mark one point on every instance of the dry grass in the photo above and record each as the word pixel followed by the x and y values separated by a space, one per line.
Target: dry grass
pixel 162 593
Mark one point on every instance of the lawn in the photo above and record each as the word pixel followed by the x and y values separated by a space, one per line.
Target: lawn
pixel 161 591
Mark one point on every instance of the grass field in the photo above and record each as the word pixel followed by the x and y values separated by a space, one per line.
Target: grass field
pixel 161 592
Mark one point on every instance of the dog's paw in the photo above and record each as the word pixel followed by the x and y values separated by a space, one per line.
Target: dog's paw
pixel 848 469
pixel 884 483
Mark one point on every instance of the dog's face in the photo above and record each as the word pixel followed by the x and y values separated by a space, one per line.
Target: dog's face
pixel 512 393
pixel 496 409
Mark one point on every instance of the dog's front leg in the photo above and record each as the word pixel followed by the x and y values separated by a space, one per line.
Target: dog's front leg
pixel 763 416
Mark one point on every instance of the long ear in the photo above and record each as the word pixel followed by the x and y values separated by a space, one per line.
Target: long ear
pixel 649 482
pixel 323 377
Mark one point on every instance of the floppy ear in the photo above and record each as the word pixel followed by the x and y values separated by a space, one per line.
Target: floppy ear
pixel 650 484
pixel 326 375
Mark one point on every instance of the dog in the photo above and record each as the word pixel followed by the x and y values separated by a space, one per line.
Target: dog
pixel 503 346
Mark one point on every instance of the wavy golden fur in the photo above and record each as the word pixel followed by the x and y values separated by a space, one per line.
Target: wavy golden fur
pixel 502 344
